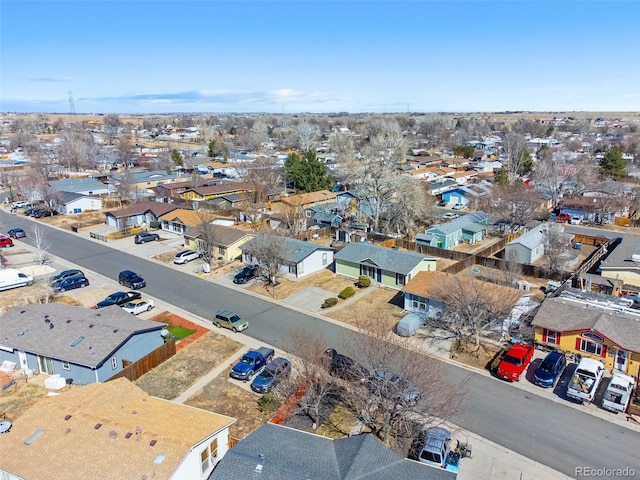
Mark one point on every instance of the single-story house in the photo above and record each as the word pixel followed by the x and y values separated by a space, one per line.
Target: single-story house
pixel 113 430
pixel 300 258
pixel 179 219
pixel 274 452
pixel 145 180
pixel 386 266
pixel 227 241
pixel 138 214
pixel 85 186
pixel 69 203
pixel 592 325
pixel 620 263
pixel 306 200
pixel 438 187
pixel 471 228
pixel 79 344
pixel 176 189
pixel 529 247
pixel 467 194
pixel 203 193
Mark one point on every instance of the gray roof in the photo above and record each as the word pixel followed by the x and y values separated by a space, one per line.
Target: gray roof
pixel 532 238
pixel 153 175
pixel 459 223
pixel 564 314
pixel 620 257
pixel 78 185
pixel 68 197
pixel 288 454
pixel 297 250
pixel 385 258
pixel 28 328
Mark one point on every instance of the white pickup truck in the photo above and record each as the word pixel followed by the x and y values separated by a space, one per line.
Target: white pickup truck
pixel 616 397
pixel 585 380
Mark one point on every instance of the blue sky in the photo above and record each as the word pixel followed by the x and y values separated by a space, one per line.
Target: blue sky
pixel 303 56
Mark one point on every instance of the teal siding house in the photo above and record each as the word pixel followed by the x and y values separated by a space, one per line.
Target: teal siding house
pixel 471 228
pixel 385 266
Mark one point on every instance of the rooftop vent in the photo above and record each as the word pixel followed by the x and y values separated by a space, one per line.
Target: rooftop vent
pixel 128 435
pixel 98 425
pixel 67 430
pixel 67 417
pixel 113 434
pixel 91 326
pixel 37 434
pixel 68 321
pixel 46 320
pixel 159 459
pixel 50 326
pixel 153 442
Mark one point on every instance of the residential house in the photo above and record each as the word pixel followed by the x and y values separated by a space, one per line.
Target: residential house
pixel 180 219
pixel 140 213
pixel 487 167
pixel 176 189
pixel 226 242
pixel 307 200
pixel 471 228
pixel 386 266
pixel 463 176
pixel 622 264
pixel 83 186
pixel 70 203
pixel 79 344
pixel 139 181
pixel 593 325
pixel 530 247
pixel 592 209
pixel 438 187
pixel 113 431
pixel 274 452
pixel 204 193
pixel 300 258
pixel 325 215
pixel 468 195
pixel 422 294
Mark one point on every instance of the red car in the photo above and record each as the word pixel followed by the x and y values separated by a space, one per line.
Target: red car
pixel 515 361
pixel 563 218
pixel 5 241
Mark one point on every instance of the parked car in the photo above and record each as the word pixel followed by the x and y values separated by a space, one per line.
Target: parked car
pixel 146 237
pixel 618 393
pixel 42 212
pixel 563 218
pixel 246 274
pixel 17 233
pixel 515 362
pixel 118 298
pixel 586 378
pixel 70 283
pixel 276 371
pixel 443 203
pixel 12 278
pixel 550 370
pixel 66 274
pixel 185 256
pixel 251 363
pixel 136 307
pixel 449 215
pixel 230 320
pixel 345 367
pixel 437 450
pixel 20 204
pixel 575 220
pixel 458 206
pixel 5 241
pixel 31 210
pixel 131 280
pixel 392 386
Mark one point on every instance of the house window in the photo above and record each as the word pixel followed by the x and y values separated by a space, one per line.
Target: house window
pixel 308 213
pixel 213 448
pixel 368 271
pixel 324 259
pixel 204 459
pixel 114 362
pixel 209 455
pixel 551 336
pixel 418 305
pixel 591 347
pixel 400 279
pixel 66 366
pixel 292 268
pixel 221 250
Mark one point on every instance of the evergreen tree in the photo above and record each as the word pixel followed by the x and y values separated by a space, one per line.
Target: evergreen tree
pixel 526 165
pixel 307 173
pixel 613 165
pixel 501 177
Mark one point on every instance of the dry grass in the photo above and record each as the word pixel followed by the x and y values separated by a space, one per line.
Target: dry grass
pixel 324 279
pixel 369 302
pixel 174 376
pixel 94 217
pixel 16 400
pixel 470 354
pixel 222 396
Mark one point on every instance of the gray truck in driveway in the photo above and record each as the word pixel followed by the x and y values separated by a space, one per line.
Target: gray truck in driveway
pixel 585 380
pixel 251 362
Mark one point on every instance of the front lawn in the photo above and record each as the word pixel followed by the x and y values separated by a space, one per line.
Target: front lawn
pixel 179 332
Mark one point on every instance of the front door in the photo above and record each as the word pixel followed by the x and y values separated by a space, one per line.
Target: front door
pixel 22 357
pixel 45 365
pixel 621 360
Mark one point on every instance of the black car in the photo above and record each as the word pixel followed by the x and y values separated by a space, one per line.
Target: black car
pixel 345 367
pixel 42 212
pixel 30 211
pixel 246 274
pixel 17 233
pixel 146 237
pixel 131 280
pixel 66 274
pixel 70 283
pixel 118 298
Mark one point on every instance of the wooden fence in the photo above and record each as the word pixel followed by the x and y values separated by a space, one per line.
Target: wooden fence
pixel 135 370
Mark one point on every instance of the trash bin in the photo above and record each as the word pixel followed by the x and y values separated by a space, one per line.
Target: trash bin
pixel 206 268
pixel 577 245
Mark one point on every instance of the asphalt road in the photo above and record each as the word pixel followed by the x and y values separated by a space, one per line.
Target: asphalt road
pixel 553 434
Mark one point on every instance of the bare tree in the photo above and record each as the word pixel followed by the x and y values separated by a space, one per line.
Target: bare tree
pixel 293 217
pixel 516 203
pixel 307 136
pixel 266 176
pixel 207 235
pixel 548 174
pixel 556 246
pixel 40 241
pixel 468 308
pixel 409 207
pixel 77 150
pixel 268 251
pixel 515 149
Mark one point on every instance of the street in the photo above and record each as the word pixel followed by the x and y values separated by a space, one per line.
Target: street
pixel 555 435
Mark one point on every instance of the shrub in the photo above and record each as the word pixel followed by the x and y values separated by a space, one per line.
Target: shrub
pixel 363 282
pixel 330 302
pixel 268 403
pixel 154 224
pixel 347 292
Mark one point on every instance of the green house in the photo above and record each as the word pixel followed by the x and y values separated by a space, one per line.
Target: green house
pixel 387 267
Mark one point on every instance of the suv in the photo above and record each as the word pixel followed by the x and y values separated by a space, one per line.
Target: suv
pixel 246 274
pixel 146 237
pixel 276 371
pixel 131 280
pixel 437 449
pixel 70 283
pixel 345 367
pixel 550 370
pixel 185 256
pixel 230 320
pixel 66 274
pixel 5 241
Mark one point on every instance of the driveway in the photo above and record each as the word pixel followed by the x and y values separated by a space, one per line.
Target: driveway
pixel 311 298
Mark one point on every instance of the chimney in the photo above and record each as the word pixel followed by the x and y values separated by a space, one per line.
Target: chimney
pixel 138 433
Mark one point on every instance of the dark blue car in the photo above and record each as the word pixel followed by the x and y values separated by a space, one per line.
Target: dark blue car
pixel 276 371
pixel 550 370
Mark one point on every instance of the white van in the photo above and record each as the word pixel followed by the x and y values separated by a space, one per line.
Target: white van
pixel 12 278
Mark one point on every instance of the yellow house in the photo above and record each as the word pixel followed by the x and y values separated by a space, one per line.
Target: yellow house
pixel 226 241
pixel 216 191
pixel 611 335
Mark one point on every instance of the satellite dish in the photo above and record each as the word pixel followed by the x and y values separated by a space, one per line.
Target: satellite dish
pixel 164 332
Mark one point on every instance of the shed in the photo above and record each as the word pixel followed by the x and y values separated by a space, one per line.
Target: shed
pixel 409 324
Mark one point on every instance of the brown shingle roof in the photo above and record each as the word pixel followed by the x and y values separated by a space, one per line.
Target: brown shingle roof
pixel 72 447
pixel 222 188
pixel 157 208
pixel 222 235
pixel 187 217
pixel 309 198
